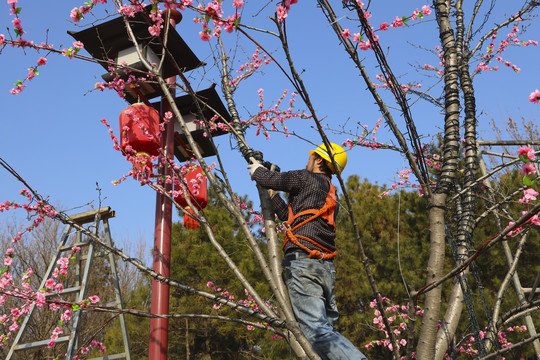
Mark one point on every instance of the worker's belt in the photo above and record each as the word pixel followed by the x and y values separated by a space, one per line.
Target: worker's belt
pixel 296 255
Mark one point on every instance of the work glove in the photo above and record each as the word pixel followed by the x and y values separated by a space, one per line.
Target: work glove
pixel 253 166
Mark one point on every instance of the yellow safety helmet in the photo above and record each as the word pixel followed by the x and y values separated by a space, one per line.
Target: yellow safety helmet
pixel 339 156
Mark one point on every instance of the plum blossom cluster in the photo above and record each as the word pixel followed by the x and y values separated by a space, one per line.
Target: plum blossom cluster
pixel 247 69
pixel 403 177
pixel 256 217
pixel 274 116
pixel 20 42
pixel 386 83
pixel 193 186
pixel 213 126
pixel 94 344
pixel 32 72
pixel 248 302
pixel 468 345
pixel 528 169
pixel 384 26
pixel 441 62
pixel 398 318
pixel 534 97
pixel 283 8
pixel 366 138
pixel 119 83
pixel 213 15
pixel 527 156
pixel 77 14
pixel 496 52
pixel 37 212
pixel 67 316
pixel 17 27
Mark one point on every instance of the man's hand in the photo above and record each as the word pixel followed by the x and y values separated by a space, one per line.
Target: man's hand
pixel 253 166
pixel 272 193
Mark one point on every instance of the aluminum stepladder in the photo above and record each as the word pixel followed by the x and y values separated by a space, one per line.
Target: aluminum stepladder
pixel 79 288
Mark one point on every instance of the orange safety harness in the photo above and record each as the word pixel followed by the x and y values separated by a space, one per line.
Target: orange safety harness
pixel 327 213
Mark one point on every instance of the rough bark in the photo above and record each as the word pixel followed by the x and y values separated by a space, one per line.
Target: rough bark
pixel 437 204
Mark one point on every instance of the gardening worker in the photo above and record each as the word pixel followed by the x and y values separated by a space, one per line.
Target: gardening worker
pixel 309 245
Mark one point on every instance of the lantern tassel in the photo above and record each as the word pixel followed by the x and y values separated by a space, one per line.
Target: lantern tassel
pixel 189 222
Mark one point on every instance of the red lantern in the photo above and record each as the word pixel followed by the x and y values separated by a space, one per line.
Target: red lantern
pixel 139 128
pixel 195 180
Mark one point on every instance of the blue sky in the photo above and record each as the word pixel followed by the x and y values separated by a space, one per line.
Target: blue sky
pixel 52 134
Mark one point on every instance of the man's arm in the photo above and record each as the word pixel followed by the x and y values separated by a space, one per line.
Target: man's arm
pixel 280 207
pixel 290 181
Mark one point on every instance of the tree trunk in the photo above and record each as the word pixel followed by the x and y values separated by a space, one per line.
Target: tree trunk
pixel 437 211
pixel 432 304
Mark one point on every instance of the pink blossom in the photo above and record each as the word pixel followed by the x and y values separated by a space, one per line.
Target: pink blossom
pixel 426 10
pixel 282 13
pixel 229 27
pixel 398 22
pixel 66 316
pixel 534 97
pixel 535 220
pixel 78 45
pixel 383 26
pixel 94 299
pixel 514 232
pixel 42 61
pixel 154 30
pixel 528 169
pixel 17 24
pixel 49 284
pixel 205 35
pixel 75 15
pixel 526 152
pixel 364 45
pixel 346 33
pixel 528 196
pixel 238 3
pixel 7 261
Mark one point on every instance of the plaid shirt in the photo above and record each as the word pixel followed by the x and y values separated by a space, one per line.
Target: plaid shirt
pixel 307 190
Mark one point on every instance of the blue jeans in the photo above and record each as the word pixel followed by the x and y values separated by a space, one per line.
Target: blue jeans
pixel 311 290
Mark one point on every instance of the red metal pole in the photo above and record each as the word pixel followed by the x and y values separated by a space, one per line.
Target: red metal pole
pixel 162 237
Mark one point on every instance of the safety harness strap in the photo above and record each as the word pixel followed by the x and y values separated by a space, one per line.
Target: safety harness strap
pixel 327 213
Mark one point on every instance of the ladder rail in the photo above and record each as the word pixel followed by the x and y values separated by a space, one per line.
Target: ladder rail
pixel 63 240
pixel 81 286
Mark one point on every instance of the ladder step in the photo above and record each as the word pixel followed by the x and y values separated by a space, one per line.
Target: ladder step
pixel 111 357
pixel 112 304
pixel 69 247
pixel 35 344
pixel 65 291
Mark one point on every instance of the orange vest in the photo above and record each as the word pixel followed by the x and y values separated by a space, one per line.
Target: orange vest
pixel 327 213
